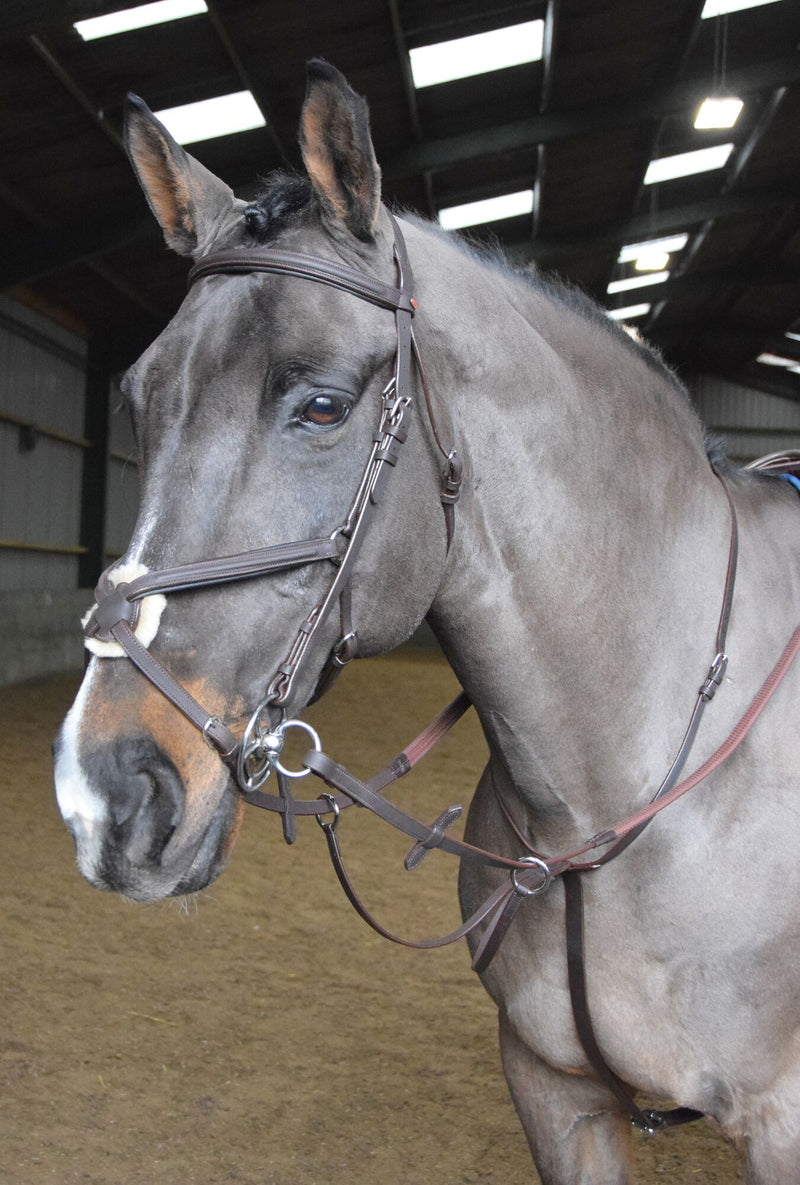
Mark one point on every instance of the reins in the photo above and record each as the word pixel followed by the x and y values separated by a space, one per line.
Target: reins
pixel 252 758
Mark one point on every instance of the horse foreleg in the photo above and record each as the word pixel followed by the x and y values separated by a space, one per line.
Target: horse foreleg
pixel 574 1127
pixel 769 1133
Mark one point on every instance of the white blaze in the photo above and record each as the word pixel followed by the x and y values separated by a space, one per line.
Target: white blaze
pixel 84 811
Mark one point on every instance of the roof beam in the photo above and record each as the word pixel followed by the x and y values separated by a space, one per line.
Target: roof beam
pixel 551 126
pixel 56 250
pixel 30 257
pixel 258 93
pixel 20 17
pixel 732 179
pixel 548 61
pixel 47 238
pixel 664 221
pixel 76 92
pixel 763 274
pixel 410 94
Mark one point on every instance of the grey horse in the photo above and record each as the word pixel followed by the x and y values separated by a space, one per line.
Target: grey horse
pixel 577 605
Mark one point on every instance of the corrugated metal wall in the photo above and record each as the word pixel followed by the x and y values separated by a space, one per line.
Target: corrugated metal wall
pixel 751 423
pixel 42 381
pixel 122 490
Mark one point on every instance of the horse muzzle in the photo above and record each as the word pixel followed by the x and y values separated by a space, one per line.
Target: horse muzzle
pixel 137 829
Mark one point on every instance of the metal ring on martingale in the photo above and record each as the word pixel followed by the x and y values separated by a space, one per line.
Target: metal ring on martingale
pixel 524 890
pixel 281 731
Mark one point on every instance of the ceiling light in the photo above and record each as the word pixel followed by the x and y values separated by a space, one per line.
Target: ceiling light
pixel 718 113
pixel 651 260
pixel 138 18
pixel 720 7
pixel 508 205
pixel 479 54
pixel 684 164
pixel 629 312
pixel 794 336
pixel 670 243
pixel 777 360
pixel 212 117
pixel 637 282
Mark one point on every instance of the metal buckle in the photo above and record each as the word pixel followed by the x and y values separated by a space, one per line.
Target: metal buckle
pixel 212 720
pixel 524 890
pixel 716 673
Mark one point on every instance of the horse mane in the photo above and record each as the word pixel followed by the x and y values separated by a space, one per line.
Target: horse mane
pixel 286 197
pixel 558 291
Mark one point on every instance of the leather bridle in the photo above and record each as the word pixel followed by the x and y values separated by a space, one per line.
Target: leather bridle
pixel 115 615
pixel 256 755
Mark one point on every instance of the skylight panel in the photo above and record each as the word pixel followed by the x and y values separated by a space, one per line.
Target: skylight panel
pixel 629 312
pixel 138 18
pixel 466 56
pixel 210 118
pixel 720 7
pixel 685 164
pixel 669 244
pixel 778 360
pixel 718 113
pixel 508 205
pixel 636 282
pixel 651 260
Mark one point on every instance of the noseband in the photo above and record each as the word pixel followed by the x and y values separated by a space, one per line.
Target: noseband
pixel 116 613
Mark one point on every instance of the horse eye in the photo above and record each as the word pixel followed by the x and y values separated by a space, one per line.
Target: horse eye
pixel 325 411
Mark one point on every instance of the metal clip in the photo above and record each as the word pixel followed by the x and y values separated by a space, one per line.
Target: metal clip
pixel 329 828
pixel 716 673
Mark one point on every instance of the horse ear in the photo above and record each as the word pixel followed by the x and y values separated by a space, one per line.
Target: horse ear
pixel 189 202
pixel 337 151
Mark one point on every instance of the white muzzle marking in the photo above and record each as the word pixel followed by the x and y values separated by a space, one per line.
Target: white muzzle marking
pixel 83 809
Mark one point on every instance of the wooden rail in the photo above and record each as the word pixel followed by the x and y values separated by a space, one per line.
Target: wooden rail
pixel 50 433
pixel 44 548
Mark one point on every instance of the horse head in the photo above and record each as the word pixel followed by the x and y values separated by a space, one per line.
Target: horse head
pixel 254 413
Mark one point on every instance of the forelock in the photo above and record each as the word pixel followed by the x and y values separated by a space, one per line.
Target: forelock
pixel 284 198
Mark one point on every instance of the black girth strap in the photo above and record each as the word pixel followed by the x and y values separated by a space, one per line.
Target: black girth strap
pixel 644 1119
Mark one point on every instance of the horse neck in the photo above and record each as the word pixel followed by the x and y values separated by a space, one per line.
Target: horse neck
pixel 580 600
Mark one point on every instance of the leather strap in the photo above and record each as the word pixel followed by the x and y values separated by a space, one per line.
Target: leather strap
pixel 305 267
pixel 115 616
pixel 261 561
pixel 210 726
pixel 646 1120
pixel 397 768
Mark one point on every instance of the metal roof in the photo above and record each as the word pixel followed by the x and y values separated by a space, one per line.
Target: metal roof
pixel 618 85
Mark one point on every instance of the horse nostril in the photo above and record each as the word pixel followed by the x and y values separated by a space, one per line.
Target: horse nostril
pixel 145 794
